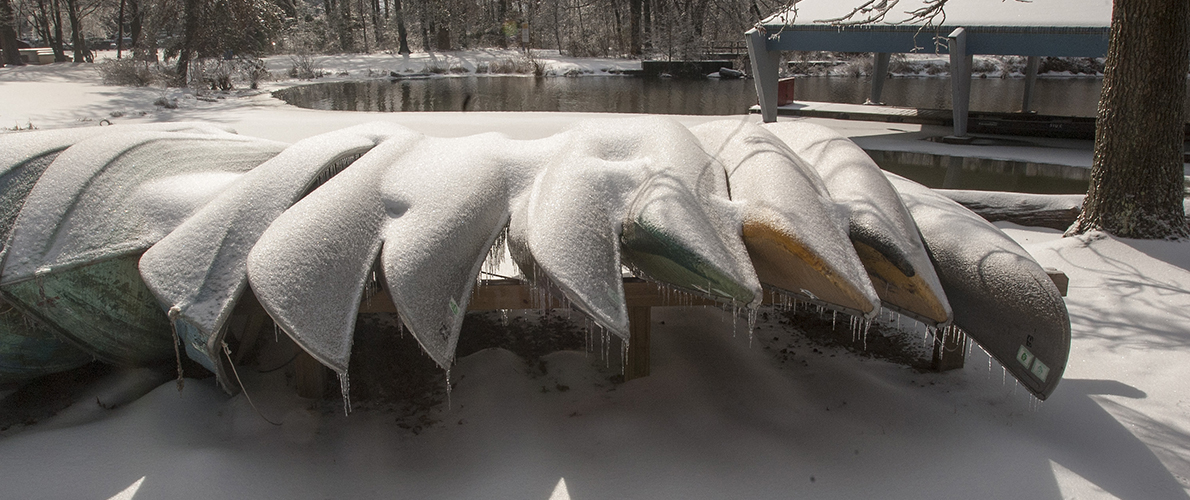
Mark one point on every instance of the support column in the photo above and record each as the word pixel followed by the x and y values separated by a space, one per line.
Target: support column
pixel 1030 78
pixel 764 73
pixel 639 325
pixel 879 73
pixel 310 376
pixel 960 79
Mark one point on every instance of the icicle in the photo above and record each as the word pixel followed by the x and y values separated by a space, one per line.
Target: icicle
pixel 448 388
pixel 623 358
pixel 603 347
pixel 345 391
pixel 735 313
pixel 752 313
pixel 173 323
pixel 834 317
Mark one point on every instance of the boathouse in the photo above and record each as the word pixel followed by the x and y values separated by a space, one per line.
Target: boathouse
pixel 1060 28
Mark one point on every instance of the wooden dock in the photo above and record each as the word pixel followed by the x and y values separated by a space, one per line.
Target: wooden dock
pixel 641 297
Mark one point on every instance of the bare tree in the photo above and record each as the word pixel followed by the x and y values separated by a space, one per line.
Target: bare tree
pixel 8 35
pixel 402 35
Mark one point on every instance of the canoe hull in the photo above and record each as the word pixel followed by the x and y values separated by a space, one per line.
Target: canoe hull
pixel 29 349
pixel 102 307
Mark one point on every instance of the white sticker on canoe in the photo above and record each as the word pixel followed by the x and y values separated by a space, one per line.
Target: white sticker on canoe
pixel 1040 370
pixel 1025 357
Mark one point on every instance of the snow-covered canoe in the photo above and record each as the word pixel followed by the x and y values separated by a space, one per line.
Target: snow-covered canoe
pixel 794 232
pixel 72 259
pixel 199 271
pixel 880 227
pixel 1001 297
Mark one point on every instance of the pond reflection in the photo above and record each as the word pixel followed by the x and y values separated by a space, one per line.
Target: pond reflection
pixel 622 94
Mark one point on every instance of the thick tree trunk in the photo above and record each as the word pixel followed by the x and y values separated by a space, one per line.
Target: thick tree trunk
pixel 402 35
pixel 76 31
pixel 120 30
pixel 8 36
pixel 137 19
pixel 1136 178
pixel 191 11
pixel 634 12
pixel 346 33
pixel 56 40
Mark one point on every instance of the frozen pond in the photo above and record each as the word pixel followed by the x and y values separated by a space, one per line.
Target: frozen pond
pixel 620 94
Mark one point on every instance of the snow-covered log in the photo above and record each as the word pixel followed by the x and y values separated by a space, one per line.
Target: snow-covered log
pixel 1057 211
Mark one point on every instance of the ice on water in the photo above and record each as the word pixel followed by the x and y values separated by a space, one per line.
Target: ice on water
pixel 100 198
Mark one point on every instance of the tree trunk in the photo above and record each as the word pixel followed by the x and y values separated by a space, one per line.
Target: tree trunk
pixel 76 31
pixel 346 33
pixel 377 26
pixel 8 36
pixel 1136 177
pixel 634 12
pixel 191 22
pixel 137 19
pixel 402 35
pixel 120 30
pixel 56 41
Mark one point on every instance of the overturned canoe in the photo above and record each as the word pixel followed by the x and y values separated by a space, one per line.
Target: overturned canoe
pixel 29 349
pixel 220 235
pixel 880 227
pixel 1001 297
pixel 311 267
pixel 564 232
pixel 681 227
pixel 794 232
pixel 71 260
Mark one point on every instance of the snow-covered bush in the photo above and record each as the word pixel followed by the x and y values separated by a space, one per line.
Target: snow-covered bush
pixel 304 66
pixel 129 72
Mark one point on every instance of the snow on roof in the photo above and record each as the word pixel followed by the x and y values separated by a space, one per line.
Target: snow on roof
pixel 1035 13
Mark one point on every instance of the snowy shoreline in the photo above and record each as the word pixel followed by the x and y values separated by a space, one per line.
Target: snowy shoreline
pixel 721 416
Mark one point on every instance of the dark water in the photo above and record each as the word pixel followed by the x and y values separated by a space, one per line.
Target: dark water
pixel 612 94
pixel 1015 178
pixel 620 94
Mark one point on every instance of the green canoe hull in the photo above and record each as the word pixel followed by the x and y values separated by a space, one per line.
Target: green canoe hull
pixel 102 307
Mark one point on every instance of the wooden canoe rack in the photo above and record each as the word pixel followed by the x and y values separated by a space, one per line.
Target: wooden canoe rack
pixel 641 296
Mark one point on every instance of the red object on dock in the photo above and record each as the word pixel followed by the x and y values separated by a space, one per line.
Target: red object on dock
pixel 785 91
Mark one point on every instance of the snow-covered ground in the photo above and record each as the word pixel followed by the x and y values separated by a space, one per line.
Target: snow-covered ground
pixel 723 415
